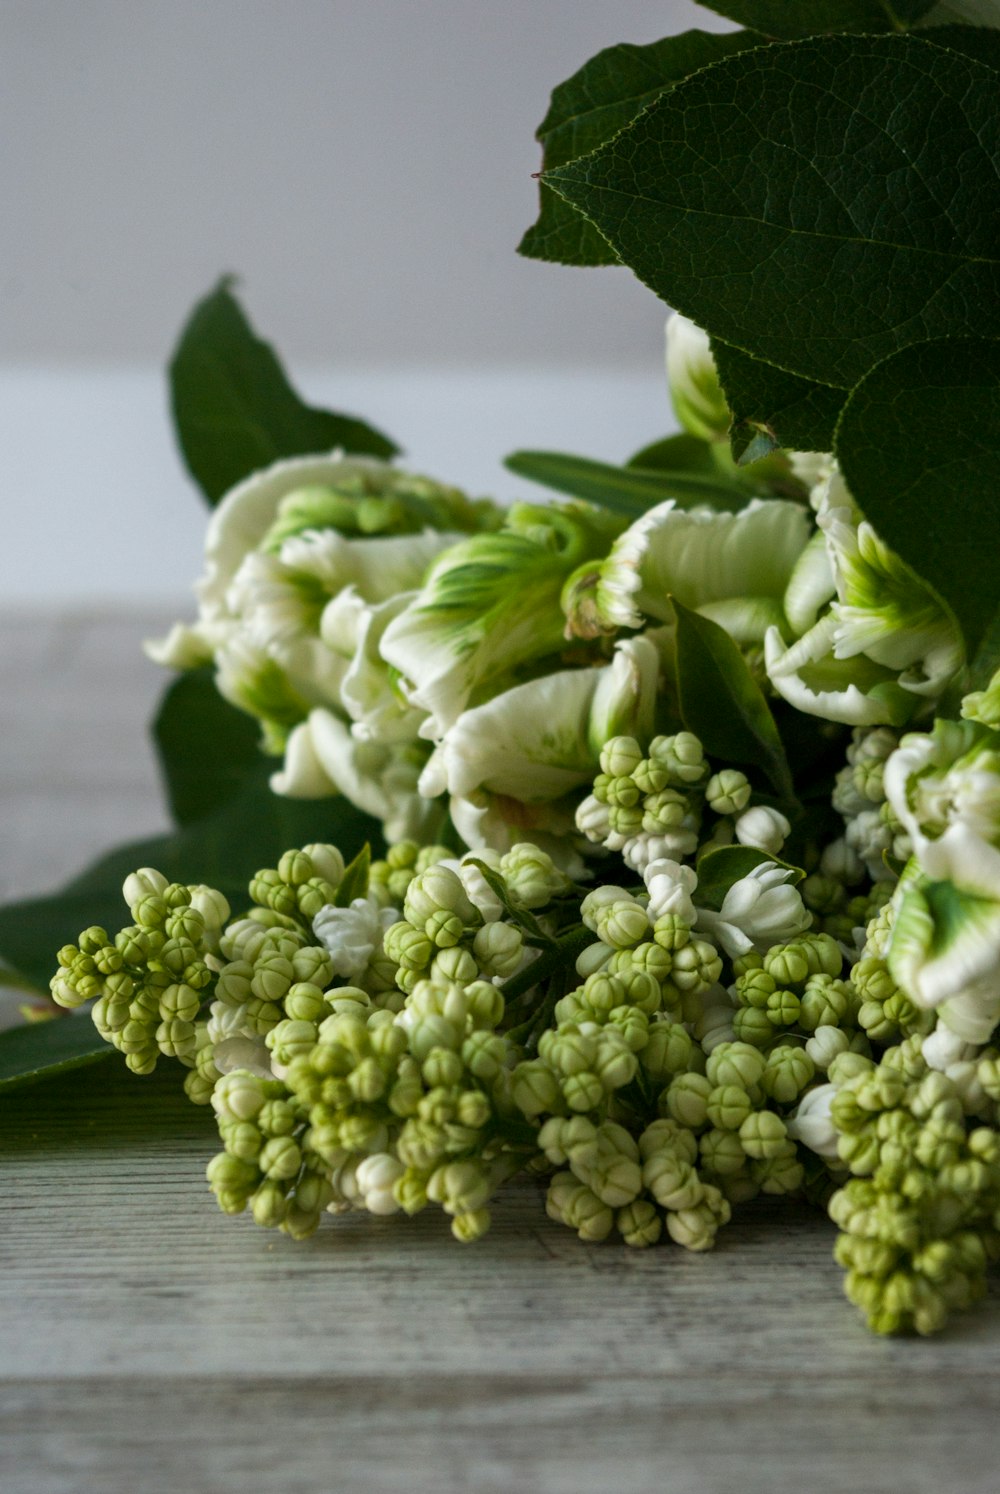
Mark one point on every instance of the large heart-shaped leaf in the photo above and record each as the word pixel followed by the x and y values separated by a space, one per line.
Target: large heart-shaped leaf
pixel 818 204
pixel 591 107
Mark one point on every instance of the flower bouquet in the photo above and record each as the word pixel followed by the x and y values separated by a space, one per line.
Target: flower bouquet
pixel 645 841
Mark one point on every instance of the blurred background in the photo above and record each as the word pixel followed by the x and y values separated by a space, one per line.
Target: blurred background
pixel 365 169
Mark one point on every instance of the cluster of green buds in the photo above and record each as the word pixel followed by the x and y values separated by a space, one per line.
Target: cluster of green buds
pixel 920 1217
pixel 148 984
pixel 413 1109
pixel 872 832
pixel 389 879
pixel 650 805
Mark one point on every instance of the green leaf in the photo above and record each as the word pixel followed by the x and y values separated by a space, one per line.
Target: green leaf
pixel 208 749
pixel 625 490
pixel 40 1050
pixel 224 850
pixel 919 445
pixel 515 910
pixel 980 42
pixel 355 879
pixel 722 703
pixel 719 870
pixel 789 19
pixel 591 107
pixel 772 407
pixel 681 453
pixel 235 410
pixel 858 215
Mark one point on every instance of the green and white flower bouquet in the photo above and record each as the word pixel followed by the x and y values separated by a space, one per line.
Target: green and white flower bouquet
pixel 646 840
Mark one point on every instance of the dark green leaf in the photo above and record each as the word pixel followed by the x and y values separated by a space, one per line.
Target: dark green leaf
pixel 980 42
pixel 591 107
pixel 722 703
pixel 987 659
pixel 625 490
pixel 355 879
pixel 719 870
pixel 919 445
pixel 772 407
pixel 208 750
pixel 860 213
pixel 789 19
pixel 41 1050
pixel 224 850
pixel 234 409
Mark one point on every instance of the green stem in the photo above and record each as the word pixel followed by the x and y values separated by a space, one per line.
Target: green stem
pixel 565 949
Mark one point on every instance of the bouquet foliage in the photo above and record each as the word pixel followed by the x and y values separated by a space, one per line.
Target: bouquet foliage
pixel 648 839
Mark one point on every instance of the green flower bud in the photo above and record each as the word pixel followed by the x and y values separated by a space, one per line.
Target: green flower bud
pixel 498 949
pixel 179 1001
pixel 620 756
pixel 787 964
pixel 721 1153
pixel 638 1223
pixel 728 792
pixel 696 1228
pixel 437 890
pixel 763 1134
pixel 788 1071
pixel 687 1100
pixel 585 1091
pixel 668 1050
pixel 470 1226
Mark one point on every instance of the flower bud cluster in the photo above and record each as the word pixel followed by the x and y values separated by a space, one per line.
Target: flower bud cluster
pixel 410 1108
pixel 649 806
pixel 149 983
pixel 390 879
pixel 872 830
pixel 920 1217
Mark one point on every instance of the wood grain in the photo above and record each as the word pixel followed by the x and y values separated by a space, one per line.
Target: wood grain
pixel 147 1342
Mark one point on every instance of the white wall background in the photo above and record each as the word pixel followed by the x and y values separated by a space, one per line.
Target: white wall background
pixel 366 169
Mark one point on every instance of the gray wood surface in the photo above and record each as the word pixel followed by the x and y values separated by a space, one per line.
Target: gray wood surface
pixel 147 1342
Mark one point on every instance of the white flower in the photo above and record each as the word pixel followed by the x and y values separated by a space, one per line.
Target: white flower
pixel 323 756
pixel 695 392
pixel 489 605
pixel 353 934
pixel 670 886
pixel 811 1123
pixel 764 828
pixel 705 558
pixel 811 678
pixel 759 910
pixel 375 1177
pixel 235 1043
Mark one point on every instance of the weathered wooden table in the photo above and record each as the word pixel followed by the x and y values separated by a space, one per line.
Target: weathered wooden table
pixel 147 1342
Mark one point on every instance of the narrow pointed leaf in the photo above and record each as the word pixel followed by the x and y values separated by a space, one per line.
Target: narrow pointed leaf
pixel 625 490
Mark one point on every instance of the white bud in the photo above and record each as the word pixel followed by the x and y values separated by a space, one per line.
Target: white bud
pixel 764 828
